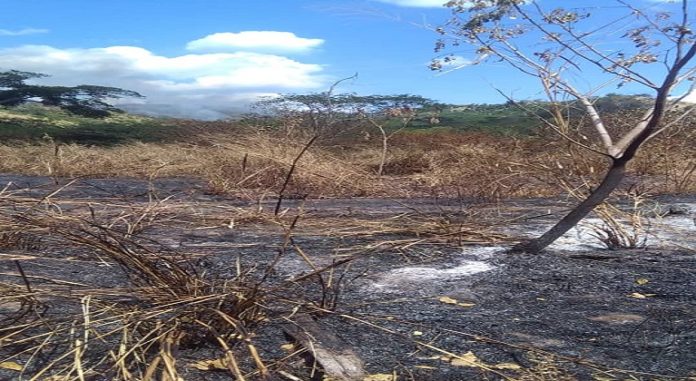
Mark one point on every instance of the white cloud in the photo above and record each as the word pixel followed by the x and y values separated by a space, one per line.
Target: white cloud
pixel 454 62
pixel 266 41
pixel 416 3
pixel 200 85
pixel 21 32
pixel 447 64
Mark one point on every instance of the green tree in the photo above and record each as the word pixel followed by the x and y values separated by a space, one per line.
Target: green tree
pixel 85 100
pixel 320 113
pixel 563 48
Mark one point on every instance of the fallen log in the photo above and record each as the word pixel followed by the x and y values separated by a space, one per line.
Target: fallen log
pixel 337 359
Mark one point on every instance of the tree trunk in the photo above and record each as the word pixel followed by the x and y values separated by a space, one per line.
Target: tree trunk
pixel 385 147
pixel 611 180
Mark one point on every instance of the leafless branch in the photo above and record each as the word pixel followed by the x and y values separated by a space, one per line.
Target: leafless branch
pixel 329 94
pixel 634 76
pixel 551 125
pixel 652 23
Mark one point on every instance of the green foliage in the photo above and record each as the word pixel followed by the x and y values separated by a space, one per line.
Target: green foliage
pixel 313 110
pixel 33 122
pixel 347 102
pixel 505 121
pixel 84 100
pixel 500 119
pixel 14 79
pixel 617 102
pixel 326 113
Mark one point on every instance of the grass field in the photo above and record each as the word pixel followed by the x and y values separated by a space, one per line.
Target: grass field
pixel 235 158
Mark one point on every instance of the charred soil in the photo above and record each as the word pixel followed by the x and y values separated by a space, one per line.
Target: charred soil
pixel 421 289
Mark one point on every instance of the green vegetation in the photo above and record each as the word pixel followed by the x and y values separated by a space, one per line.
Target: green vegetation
pixel 514 119
pixel 33 122
pixel 500 119
pixel 85 100
pixel 80 114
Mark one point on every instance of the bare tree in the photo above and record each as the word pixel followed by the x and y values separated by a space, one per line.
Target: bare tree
pixel 405 114
pixel 616 43
pixel 315 112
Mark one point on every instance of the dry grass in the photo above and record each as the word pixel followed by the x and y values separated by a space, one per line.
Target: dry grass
pixel 166 301
pixel 418 164
pixel 230 165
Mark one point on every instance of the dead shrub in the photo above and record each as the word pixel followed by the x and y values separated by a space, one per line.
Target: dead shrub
pixel 405 162
pixel 620 229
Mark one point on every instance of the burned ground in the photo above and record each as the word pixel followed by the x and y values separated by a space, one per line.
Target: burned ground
pixel 426 292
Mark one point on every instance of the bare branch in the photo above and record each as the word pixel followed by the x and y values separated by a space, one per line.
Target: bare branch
pixel 632 141
pixel 634 76
pixel 329 94
pixel 675 101
pixel 649 21
pixel 689 74
pixel 672 123
pixel 553 126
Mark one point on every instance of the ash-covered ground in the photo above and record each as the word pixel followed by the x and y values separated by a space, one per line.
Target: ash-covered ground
pixel 416 300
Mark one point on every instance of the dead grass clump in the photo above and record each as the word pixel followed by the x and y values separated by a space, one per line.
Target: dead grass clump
pixel 244 165
pixel 134 333
pixel 545 368
pixel 483 171
pixel 482 166
pixel 400 162
pixel 71 160
pixel 165 302
pixel 406 162
pixel 621 229
pixel 668 164
pixel 260 162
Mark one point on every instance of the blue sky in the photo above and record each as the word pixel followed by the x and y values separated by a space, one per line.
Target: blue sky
pixel 209 58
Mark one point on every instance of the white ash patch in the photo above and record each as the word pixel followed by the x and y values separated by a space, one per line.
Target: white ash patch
pixel 665 232
pixel 422 277
pixel 482 252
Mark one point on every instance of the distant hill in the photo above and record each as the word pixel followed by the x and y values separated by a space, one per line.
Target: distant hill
pixel 511 119
pixel 34 122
